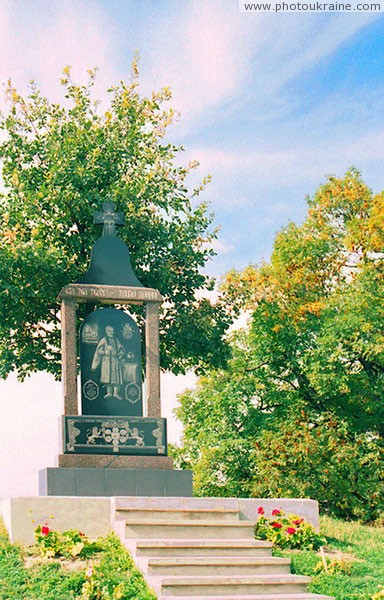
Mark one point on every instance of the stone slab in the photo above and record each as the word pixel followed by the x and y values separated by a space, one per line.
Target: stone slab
pixel 115 435
pixel 97 515
pixel 303 507
pixel 93 516
pixel 58 481
pixel 110 293
pixel 115 462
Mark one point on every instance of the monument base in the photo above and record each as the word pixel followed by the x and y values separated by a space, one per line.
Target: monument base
pixel 67 481
pixel 106 461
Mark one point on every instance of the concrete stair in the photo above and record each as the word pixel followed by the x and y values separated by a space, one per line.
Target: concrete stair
pixel 207 554
pixel 296 596
pixel 229 565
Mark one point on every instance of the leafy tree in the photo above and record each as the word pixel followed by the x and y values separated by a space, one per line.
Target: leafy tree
pixel 317 309
pixel 220 420
pixel 314 343
pixel 59 161
pixel 318 456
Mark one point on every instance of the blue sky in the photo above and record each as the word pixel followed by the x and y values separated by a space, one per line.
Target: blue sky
pixel 270 104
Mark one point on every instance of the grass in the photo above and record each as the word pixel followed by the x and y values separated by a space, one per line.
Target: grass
pixel 25 575
pixel 357 552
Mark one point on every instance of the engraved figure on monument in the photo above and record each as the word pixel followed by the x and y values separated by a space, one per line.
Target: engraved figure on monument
pixel 93 434
pixel 110 361
pixel 108 355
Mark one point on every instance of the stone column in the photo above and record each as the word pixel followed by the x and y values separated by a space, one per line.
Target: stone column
pixel 152 359
pixel 69 355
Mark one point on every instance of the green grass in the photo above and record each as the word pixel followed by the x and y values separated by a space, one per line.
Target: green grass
pixel 359 547
pixel 114 575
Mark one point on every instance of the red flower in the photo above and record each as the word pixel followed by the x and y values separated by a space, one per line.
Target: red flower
pixel 276 525
pixel 260 510
pixel 276 512
pixel 298 521
pixel 291 530
pixel 45 530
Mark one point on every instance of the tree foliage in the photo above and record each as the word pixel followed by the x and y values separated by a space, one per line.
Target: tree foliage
pixel 315 343
pixel 320 457
pixel 59 161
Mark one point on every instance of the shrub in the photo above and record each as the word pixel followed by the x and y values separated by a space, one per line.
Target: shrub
pixel 68 544
pixel 287 531
pixel 319 457
pixel 115 577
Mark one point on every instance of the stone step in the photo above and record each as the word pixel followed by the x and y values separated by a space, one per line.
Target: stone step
pixel 233 586
pixel 179 514
pixel 296 596
pixel 189 529
pixel 207 547
pixel 218 566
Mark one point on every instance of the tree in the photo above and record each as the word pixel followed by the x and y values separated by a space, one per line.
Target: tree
pixel 59 161
pixel 318 456
pixel 314 344
pixel 318 312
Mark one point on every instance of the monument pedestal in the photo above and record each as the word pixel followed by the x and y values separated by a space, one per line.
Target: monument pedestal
pixel 114 475
pixel 110 477
pixel 107 461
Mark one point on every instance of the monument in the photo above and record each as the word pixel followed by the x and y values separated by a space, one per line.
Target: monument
pixel 112 448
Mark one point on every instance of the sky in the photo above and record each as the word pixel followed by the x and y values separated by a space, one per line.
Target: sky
pixel 270 104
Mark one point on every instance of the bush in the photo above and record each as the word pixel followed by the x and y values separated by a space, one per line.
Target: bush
pixel 320 458
pixel 287 531
pixel 12 575
pixel 111 575
pixel 68 544
pixel 115 577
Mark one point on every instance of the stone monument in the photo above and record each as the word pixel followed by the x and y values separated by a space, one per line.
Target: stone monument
pixel 111 448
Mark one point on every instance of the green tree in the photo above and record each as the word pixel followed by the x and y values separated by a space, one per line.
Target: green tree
pixel 318 456
pixel 317 309
pixel 315 340
pixel 220 420
pixel 59 161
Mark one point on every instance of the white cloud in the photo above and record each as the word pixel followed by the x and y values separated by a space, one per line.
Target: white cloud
pixel 200 52
pixel 290 45
pixel 221 247
pixel 325 41
pixel 70 33
pixel 219 62
pixel 305 164
pixel 299 42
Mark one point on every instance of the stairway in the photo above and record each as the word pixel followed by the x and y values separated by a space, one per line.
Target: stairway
pixel 207 554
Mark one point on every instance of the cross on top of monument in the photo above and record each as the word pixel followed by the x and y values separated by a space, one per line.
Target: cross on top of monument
pixel 109 218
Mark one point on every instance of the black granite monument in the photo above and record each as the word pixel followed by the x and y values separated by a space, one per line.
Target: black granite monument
pixel 111 445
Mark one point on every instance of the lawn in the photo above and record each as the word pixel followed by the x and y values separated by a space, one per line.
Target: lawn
pixel 106 574
pixel 356 556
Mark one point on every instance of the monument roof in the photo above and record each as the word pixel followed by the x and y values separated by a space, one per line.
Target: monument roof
pixel 110 262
